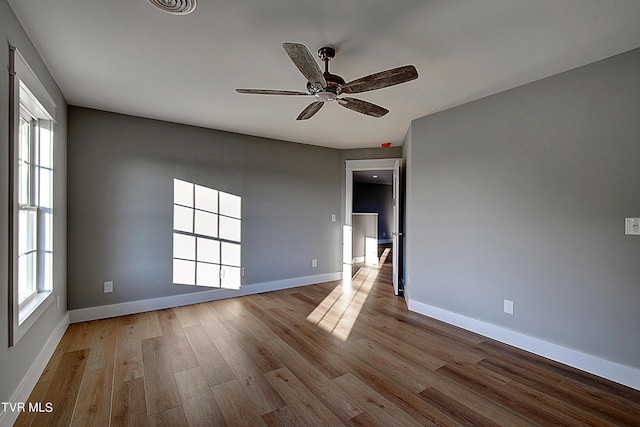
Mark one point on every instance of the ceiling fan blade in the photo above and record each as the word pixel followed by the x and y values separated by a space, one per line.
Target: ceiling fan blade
pixel 363 107
pixel 311 109
pixel 305 62
pixel 272 92
pixel 387 78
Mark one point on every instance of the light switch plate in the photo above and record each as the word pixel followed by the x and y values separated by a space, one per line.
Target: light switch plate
pixel 632 226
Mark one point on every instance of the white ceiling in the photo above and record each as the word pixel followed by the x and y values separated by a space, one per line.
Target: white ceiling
pixel 128 56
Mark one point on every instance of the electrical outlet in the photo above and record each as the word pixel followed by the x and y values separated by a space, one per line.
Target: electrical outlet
pixel 508 306
pixel 108 287
pixel 314 263
pixel 632 226
pixel 333 217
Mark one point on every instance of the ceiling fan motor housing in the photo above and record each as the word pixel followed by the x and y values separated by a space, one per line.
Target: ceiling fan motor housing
pixel 329 92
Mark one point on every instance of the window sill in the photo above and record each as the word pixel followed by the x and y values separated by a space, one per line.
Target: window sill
pixel 28 308
pixel 30 312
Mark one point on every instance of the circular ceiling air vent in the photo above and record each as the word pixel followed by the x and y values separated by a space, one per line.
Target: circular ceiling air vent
pixel 176 7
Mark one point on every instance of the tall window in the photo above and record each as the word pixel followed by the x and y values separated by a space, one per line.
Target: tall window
pixel 32 196
pixel 206 236
pixel 35 205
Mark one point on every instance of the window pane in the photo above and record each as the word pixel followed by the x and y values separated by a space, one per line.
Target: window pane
pixel 208 250
pixel 25 140
pixel 46 148
pixel 24 183
pixel 206 199
pixel 184 272
pixel 27 231
pixel 230 254
pixel 229 228
pixel 182 193
pixel 208 275
pixel 182 218
pixel 231 277
pixel 184 246
pixel 26 275
pixel 206 224
pixel 229 205
pixel 48 271
pixel 47 233
pixel 45 188
pixel 24 162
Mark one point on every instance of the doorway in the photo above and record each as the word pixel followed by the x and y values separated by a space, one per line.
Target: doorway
pixel 364 168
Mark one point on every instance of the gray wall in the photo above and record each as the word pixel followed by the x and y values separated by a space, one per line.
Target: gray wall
pixel 371 153
pixel 16 361
pixel 523 196
pixel 121 171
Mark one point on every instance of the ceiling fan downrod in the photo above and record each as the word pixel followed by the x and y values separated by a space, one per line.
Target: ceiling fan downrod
pixel 326 54
pixel 334 82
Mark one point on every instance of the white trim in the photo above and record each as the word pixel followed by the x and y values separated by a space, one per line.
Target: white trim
pixel 351 166
pixel 30 380
pixel 613 371
pixel 26 75
pixel 23 85
pixel 122 309
pixel 372 164
pixel 30 313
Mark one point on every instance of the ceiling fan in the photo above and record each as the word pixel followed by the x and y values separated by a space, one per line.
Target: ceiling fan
pixel 326 87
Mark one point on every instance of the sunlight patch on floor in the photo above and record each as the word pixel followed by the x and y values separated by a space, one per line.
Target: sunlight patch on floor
pixel 338 312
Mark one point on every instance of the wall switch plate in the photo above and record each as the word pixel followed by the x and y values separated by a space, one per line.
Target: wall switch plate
pixel 333 217
pixel 632 226
pixel 108 287
pixel 508 306
pixel 314 263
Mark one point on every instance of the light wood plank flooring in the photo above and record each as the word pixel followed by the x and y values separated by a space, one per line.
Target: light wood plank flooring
pixel 329 354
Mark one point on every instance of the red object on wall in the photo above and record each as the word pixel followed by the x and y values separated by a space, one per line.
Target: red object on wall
pixel 386 144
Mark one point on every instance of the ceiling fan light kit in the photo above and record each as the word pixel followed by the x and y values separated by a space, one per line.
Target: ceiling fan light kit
pixel 327 87
pixel 175 7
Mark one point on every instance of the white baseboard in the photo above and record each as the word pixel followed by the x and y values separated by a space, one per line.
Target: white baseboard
pixel 35 371
pixel 616 372
pixel 122 309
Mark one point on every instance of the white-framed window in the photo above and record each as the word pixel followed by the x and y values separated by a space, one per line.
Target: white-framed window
pixel 206 236
pixel 31 151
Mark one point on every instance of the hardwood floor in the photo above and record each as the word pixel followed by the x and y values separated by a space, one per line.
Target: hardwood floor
pixel 328 354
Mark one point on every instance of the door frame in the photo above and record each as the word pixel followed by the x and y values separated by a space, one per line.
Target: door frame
pixel 365 165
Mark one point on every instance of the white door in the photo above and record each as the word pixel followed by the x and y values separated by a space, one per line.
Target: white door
pixel 396 233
